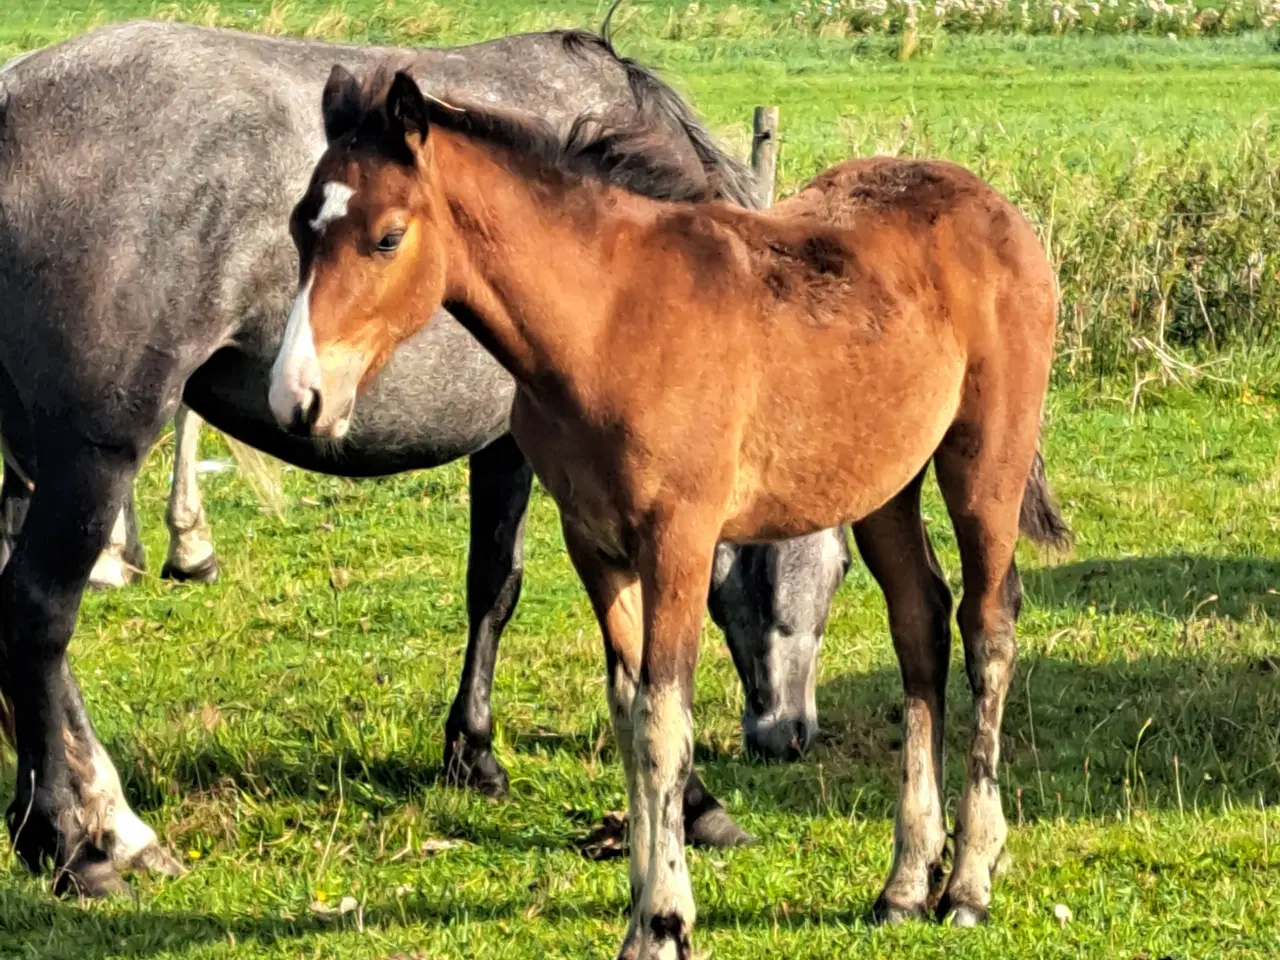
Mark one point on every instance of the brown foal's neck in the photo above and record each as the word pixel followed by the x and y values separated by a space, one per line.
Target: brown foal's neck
pixel 528 268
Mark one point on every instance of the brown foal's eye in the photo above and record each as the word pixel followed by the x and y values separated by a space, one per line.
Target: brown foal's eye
pixel 390 241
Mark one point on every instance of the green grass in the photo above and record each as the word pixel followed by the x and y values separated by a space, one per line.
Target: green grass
pixel 274 717
pixel 282 729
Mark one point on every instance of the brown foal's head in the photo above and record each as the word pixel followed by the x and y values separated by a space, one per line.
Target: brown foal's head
pixel 371 260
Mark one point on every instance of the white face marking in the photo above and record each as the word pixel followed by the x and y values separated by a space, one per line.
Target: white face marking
pixel 296 371
pixel 334 207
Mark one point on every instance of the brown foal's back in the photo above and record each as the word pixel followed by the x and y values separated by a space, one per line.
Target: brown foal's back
pixel 795 369
pixel 695 372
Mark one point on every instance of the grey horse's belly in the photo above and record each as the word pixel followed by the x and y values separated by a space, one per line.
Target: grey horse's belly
pixel 440 397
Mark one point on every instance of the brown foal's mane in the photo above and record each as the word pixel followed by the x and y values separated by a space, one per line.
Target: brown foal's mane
pixel 626 148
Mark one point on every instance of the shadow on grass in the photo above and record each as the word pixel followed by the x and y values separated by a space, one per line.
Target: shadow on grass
pixel 1128 720
pixel 1188 727
pixel 1078 740
pixel 1174 586
pixel 57 929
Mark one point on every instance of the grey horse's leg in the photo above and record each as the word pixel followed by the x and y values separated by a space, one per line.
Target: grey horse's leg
pixel 15 498
pixel 122 559
pixel 191 555
pixel 772 602
pixel 501 479
pixel 68 807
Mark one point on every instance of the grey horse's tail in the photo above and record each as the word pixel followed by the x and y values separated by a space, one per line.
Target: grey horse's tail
pixel 729 179
pixel 1040 519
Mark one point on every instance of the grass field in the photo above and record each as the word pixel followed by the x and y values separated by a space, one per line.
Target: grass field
pixel 282 729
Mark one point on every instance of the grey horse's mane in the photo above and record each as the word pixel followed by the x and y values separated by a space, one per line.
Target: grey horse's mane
pixel 729 179
pixel 631 148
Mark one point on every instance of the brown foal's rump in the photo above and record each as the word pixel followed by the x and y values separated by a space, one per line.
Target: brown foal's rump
pixel 691 372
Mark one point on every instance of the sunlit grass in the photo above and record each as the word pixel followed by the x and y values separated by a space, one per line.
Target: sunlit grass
pixel 302 699
pixel 282 729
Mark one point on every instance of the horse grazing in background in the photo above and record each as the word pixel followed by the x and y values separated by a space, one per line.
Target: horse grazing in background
pixel 147 171
pixel 695 373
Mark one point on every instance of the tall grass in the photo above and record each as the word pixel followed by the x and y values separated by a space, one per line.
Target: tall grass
pixel 702 20
pixel 1168 254
pixel 1036 17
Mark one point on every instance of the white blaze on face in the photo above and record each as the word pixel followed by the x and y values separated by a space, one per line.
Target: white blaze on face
pixel 295 376
pixel 336 196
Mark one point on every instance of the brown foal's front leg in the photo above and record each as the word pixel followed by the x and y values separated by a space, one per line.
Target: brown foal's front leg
pixel 616 598
pixel 675 565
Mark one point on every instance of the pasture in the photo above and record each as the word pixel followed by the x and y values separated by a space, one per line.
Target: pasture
pixel 282 729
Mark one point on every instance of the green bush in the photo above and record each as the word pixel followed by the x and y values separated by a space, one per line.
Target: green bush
pixel 1192 18
pixel 1175 252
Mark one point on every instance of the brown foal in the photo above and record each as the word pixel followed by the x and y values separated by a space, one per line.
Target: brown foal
pixel 691 373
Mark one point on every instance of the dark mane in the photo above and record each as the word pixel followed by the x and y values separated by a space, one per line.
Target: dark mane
pixel 729 179
pixel 628 148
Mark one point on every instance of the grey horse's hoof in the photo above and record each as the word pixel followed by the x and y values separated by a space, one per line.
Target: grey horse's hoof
pixel 961 914
pixel 206 571
pixel 473 767
pixel 111 573
pixel 716 829
pixel 887 913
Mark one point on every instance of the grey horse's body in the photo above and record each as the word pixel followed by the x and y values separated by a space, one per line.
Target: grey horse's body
pixel 146 175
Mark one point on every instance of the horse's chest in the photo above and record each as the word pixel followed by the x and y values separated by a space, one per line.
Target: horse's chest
pixel 564 464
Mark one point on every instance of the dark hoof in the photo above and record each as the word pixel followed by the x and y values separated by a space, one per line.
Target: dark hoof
pixel 157 861
pixel 90 875
pixel 607 841
pixel 206 571
pixel 475 768
pixel 716 829
pixel 890 914
pixel 961 914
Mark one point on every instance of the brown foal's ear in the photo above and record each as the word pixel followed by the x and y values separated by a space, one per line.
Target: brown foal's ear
pixel 340 103
pixel 406 107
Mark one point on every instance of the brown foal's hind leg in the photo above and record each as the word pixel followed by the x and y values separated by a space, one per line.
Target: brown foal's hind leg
pixel 896 548
pixel 982 473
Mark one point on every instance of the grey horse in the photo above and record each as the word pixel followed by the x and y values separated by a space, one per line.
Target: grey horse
pixel 146 173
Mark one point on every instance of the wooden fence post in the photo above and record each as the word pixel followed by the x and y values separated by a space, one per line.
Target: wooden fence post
pixel 764 151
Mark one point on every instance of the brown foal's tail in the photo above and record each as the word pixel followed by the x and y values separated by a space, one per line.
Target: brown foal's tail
pixel 1040 519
